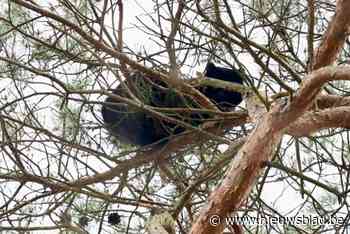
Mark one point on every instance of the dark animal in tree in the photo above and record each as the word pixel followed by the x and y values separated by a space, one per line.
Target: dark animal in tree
pixel 114 218
pixel 226 100
pixel 136 126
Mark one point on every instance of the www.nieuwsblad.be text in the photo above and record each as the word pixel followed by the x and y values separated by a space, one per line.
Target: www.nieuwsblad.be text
pixel 216 220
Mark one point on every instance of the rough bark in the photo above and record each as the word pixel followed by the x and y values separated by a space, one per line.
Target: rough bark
pixel 334 37
pixel 314 121
pixel 247 164
pixel 259 147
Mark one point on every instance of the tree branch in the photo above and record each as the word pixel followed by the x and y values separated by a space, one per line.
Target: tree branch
pixel 335 36
pixel 247 165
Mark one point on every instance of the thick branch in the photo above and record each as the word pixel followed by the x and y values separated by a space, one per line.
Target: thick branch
pixel 310 88
pixel 240 178
pixel 334 37
pixel 314 121
pixel 327 101
pixel 259 148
